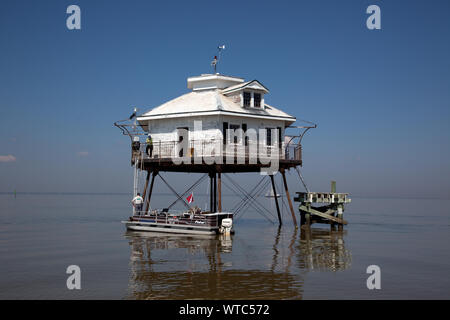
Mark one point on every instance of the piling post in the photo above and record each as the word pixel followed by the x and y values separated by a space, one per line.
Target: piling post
pixel 340 215
pixel 146 184
pixel 333 186
pixel 219 189
pixel 211 191
pixel 305 216
pixel 339 207
pixel 308 219
pixel 147 205
pixel 276 199
pixel 302 218
pixel 291 207
pixel 215 192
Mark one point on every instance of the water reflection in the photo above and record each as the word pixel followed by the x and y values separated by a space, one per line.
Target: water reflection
pixel 323 250
pixel 164 266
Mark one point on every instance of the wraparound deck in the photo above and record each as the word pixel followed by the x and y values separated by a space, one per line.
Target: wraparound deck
pixel 207 156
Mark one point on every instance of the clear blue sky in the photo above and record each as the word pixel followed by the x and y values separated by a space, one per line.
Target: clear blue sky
pixel 381 98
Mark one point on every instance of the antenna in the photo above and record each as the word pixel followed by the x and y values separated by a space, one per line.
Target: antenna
pixel 216 60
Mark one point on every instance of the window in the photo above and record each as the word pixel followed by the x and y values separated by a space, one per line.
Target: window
pixel 247 98
pixel 257 99
pixel 268 136
pixel 233 128
pixel 224 132
pixel 279 137
pixel 244 130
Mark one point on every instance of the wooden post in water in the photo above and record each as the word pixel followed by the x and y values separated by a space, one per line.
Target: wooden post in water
pixel 219 188
pixel 339 207
pixel 211 191
pixel 147 205
pixel 146 184
pixel 340 215
pixel 276 199
pixel 215 192
pixel 291 207
pixel 305 217
pixel 308 215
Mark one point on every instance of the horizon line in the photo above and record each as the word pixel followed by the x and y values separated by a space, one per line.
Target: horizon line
pixel 202 194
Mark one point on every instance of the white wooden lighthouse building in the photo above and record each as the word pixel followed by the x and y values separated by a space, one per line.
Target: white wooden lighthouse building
pixel 223 118
pixel 218 110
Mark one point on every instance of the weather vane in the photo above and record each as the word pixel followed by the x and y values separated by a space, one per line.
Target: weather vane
pixel 216 60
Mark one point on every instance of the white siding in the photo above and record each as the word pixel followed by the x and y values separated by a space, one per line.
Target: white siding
pixel 256 124
pixel 211 127
pixel 166 129
pixel 208 139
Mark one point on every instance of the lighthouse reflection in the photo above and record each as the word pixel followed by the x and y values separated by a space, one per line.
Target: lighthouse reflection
pixel 166 266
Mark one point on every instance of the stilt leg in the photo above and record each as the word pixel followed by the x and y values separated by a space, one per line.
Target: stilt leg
pixel 276 199
pixel 146 184
pixel 211 191
pixel 147 205
pixel 219 188
pixel 291 207
pixel 215 192
pixel 145 189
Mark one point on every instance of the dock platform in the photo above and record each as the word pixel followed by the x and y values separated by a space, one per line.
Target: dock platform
pixel 331 211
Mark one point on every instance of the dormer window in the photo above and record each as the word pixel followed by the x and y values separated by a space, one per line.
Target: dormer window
pixel 257 100
pixel 247 99
pixel 248 94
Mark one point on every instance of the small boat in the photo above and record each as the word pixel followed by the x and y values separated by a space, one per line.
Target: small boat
pixel 191 222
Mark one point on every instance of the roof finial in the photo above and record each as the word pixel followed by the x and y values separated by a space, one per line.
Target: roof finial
pixel 216 60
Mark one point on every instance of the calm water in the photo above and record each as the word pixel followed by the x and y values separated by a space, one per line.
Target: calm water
pixel 40 235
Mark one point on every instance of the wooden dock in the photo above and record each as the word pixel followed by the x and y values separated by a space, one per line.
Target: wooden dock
pixel 331 211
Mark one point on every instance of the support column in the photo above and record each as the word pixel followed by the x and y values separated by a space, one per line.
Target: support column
pixel 219 188
pixel 147 205
pixel 339 207
pixel 305 215
pixel 276 199
pixel 308 215
pixel 215 192
pixel 211 191
pixel 291 207
pixel 146 184
pixel 340 215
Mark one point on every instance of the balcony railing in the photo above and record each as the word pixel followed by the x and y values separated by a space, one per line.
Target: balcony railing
pixel 214 148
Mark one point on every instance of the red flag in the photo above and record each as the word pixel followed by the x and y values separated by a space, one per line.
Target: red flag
pixel 190 198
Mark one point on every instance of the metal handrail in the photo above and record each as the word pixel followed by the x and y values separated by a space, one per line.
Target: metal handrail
pixel 214 147
pixel 177 214
pixel 169 149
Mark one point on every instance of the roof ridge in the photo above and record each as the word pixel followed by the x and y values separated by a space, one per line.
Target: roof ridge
pixel 169 101
pixel 243 85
